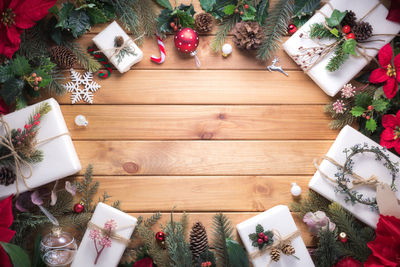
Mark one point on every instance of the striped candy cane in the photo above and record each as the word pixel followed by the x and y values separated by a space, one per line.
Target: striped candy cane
pixel 107 65
pixel 160 59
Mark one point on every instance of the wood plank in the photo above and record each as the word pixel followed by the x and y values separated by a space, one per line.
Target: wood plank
pixel 155 122
pixel 200 193
pixel 201 157
pixel 206 87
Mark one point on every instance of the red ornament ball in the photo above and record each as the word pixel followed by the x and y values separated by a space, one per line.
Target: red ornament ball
pixel 186 40
pixel 292 28
pixel 160 236
pixel 350 36
pixel 78 207
pixel 346 29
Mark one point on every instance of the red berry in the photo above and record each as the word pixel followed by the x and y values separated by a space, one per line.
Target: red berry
pixel 364 115
pixel 350 36
pixel 175 28
pixel 370 107
pixel 236 10
pixel 266 238
pixel 172 24
pixel 260 241
pixel 241 13
pixel 246 6
pixel 261 235
pixel 368 117
pixel 346 29
pixel 33 74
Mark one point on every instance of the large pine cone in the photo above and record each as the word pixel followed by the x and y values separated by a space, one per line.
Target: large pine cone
pixel 203 22
pixel 288 249
pixel 247 35
pixel 7 176
pixel 63 57
pixel 275 254
pixel 198 239
pixel 362 31
pixel 349 19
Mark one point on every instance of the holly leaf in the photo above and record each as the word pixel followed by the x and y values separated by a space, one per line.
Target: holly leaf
pixel 249 14
pixel 229 9
pixel 186 20
pixel 262 11
pixel 363 100
pixel 335 32
pixel 165 4
pixel 78 23
pixel 20 66
pixel 237 255
pixel 64 13
pixel 379 104
pixel 371 125
pixel 207 5
pixel 11 89
pixel 259 229
pixel 164 20
pixel 349 46
pixel 96 16
pixel 357 111
pixel 335 18
pixel 37 260
pixel 17 255
pixel 253 236
pixel 305 7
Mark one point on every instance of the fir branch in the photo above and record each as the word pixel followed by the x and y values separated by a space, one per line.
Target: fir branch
pixel 327 252
pixel 275 27
pixel 33 42
pixel 339 119
pixel 159 255
pixel 24 224
pixel 87 61
pixel 127 15
pixel 146 11
pixel 224 28
pixel 152 220
pixel 337 60
pixel 318 30
pixel 221 229
pixel 312 203
pixel 55 86
pixel 87 188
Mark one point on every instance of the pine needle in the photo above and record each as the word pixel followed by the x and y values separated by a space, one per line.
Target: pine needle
pixel 55 87
pixel 86 60
pixel 87 188
pixel 159 255
pixel 223 30
pixel 33 42
pixel 125 11
pixel 337 60
pixel 275 27
pixel 147 17
pixel 221 229
pixel 152 220
pixel 327 252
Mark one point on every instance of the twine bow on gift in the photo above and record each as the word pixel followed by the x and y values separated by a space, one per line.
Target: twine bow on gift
pixel 116 50
pixel 279 243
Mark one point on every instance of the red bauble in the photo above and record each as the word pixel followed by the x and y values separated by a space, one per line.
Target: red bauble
pixel 292 28
pixel 78 207
pixel 343 237
pixel 160 236
pixel 351 36
pixel 186 40
pixel 346 29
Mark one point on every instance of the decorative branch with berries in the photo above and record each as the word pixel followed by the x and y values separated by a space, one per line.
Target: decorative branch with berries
pixel 173 19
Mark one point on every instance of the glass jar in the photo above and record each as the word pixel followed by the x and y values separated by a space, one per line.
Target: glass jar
pixel 58 248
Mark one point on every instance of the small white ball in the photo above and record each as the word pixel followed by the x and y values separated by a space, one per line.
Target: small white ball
pixel 226 50
pixel 80 120
pixel 295 190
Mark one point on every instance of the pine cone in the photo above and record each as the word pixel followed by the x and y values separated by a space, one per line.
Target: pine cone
pixel 203 22
pixel 198 239
pixel 288 249
pixel 7 176
pixel 247 35
pixel 349 19
pixel 63 57
pixel 275 254
pixel 362 31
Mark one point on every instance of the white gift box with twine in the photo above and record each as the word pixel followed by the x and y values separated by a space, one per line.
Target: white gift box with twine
pixel 59 156
pixel 110 256
pixel 279 220
pixel 365 165
pixel 105 43
pixel 332 82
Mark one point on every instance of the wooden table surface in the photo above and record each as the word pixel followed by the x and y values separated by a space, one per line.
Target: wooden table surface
pixel 227 137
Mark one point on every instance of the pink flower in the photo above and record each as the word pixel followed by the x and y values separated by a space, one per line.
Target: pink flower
pixel 94 234
pixel 339 106
pixel 110 225
pixel 105 241
pixel 390 136
pixel 348 91
pixel 317 221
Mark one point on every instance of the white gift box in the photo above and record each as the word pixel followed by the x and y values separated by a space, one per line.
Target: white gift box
pixel 332 82
pixel 110 256
pixel 60 159
pixel 277 218
pixel 105 42
pixel 365 165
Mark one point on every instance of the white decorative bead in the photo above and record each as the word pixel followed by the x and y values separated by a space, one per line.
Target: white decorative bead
pixel 295 190
pixel 80 120
pixel 226 50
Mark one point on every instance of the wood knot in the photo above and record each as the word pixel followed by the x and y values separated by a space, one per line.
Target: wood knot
pixel 130 167
pixel 206 136
pixel 222 116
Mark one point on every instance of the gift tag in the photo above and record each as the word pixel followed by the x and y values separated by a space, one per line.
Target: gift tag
pixel 387 201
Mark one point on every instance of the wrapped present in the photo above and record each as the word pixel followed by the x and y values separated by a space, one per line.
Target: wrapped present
pixel 118 47
pixel 59 158
pixel 106 238
pixel 314 62
pixel 361 181
pixel 272 239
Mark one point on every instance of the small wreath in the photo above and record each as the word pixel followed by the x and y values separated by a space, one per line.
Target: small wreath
pixel 352 195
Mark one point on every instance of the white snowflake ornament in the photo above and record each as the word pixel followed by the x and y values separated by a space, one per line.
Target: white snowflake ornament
pixel 74 87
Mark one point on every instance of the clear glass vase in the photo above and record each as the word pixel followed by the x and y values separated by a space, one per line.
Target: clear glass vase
pixel 58 248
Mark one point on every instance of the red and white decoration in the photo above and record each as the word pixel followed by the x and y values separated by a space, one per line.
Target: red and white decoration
pixel 187 41
pixel 161 46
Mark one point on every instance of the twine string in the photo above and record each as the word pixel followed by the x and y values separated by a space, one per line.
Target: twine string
pixel 112 234
pixel 116 50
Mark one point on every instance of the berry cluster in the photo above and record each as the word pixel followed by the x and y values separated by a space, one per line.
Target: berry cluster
pixel 347 30
pixel 206 264
pixel 262 238
pixel 240 9
pixel 29 130
pixel 175 25
pixel 367 114
pixel 34 81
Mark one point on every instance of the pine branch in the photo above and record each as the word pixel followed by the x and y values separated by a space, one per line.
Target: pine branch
pixel 152 220
pixel 124 9
pixel 317 30
pixel 313 202
pixel 87 188
pixel 221 229
pixel 146 11
pixel 275 27
pixel 33 42
pixel 327 252
pixel 87 61
pixel 223 30
pixel 337 60
pixel 159 255
pixel 55 87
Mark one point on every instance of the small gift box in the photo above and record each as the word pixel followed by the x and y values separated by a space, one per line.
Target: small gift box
pixel 59 155
pixel 118 47
pixel 365 165
pixel 106 238
pixel 281 243
pixel 332 82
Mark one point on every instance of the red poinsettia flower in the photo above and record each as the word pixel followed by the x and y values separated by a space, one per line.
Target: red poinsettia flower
pixel 145 262
pixel 5 234
pixel 388 72
pixel 386 246
pixel 348 262
pixel 15 17
pixel 390 136
pixel 394 11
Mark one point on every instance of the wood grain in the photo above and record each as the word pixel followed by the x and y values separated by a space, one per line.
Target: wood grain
pixel 202 157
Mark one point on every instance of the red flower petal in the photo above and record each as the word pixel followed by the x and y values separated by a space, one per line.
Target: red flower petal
pixel 394 11
pixel 390 87
pixel 387 138
pixel 28 12
pixel 348 262
pixel 385 249
pixel 378 76
pixel 388 225
pixel 145 262
pixel 396 63
pixel 6 234
pixel 6 212
pixel 389 120
pixel 4 259
pixel 397 119
pixel 385 55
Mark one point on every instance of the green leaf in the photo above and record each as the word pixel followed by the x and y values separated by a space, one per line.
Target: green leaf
pixel 165 4
pixel 207 5
pixel 379 104
pixel 237 255
pixel 11 89
pixel 5 73
pixel 54 10
pixel 37 260
pixel 64 13
pixel 96 16
pixel 357 111
pixel 259 229
pixel 186 20
pixel 305 7
pixel 253 237
pixel 17 255
pixel 78 23
pixel 349 46
pixel 88 6
pixel 363 100
pixel 335 18
pixel 164 20
pixel 262 11
pixel 371 125
pixel 229 9
pixel 335 32
pixel 20 66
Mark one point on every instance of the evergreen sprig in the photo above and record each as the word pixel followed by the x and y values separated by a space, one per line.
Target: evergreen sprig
pixel 318 30
pixel 337 60
pixel 156 252
pixel 222 230
pixel 127 15
pixel 87 188
pixel 87 61
pixel 224 28
pixel 327 253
